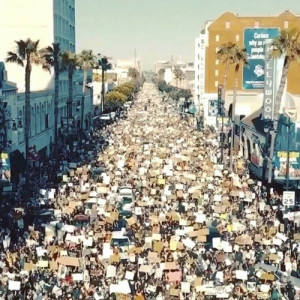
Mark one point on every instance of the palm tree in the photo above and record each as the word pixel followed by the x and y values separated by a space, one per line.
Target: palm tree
pixel 238 58
pixel 133 73
pixel 69 62
pixel 287 44
pixel 86 61
pixel 51 55
pixel 105 65
pixel 161 74
pixel 225 54
pixel 178 74
pixel 27 54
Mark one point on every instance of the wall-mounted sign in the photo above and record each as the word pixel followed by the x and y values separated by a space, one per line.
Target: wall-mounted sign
pixel 269 84
pixel 254 41
pixel 5 167
pixel 212 108
pixel 255 160
pixel 288 198
pixel 281 165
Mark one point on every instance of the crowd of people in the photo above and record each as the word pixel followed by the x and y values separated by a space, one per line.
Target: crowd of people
pixel 195 229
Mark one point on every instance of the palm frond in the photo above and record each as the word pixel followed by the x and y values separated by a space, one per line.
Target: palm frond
pixel 14 58
pixel 21 49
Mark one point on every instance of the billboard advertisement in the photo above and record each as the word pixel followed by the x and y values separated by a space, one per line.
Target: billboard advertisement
pixel 281 165
pixel 4 167
pixel 254 42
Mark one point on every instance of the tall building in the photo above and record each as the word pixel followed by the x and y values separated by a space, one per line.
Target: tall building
pixel 209 71
pixel 46 21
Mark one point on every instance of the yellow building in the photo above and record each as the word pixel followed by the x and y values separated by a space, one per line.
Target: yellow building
pixel 209 72
pixel 230 27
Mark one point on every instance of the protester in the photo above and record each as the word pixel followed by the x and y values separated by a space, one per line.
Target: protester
pixel 193 229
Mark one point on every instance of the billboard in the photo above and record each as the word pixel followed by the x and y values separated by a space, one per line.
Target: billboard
pixel 281 165
pixel 4 167
pixel 254 42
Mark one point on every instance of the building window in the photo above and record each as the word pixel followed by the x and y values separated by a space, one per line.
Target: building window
pixel 237 37
pixel 217 61
pixel 216 83
pixel 286 24
pixel 217 49
pixel 227 24
pixel 216 72
pixel 217 37
pixel 46 121
pixel 256 24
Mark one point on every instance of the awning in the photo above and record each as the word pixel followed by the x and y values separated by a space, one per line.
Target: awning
pixel 255 122
pixel 17 163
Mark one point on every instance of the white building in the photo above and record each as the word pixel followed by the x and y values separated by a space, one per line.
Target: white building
pixel 165 71
pixel 201 43
pixel 49 21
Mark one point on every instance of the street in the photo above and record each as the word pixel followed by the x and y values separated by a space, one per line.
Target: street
pixel 150 215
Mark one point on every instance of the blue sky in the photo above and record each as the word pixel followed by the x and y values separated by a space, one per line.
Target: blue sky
pixel 157 29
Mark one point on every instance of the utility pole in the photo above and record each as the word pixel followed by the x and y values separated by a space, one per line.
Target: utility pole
pixel 287 176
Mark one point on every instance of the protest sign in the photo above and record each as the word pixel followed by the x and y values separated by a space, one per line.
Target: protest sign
pixel 14 285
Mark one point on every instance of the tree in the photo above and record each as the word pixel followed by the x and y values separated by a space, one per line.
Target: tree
pixel 27 54
pixel 178 74
pixel 86 61
pixel 125 90
pixel 105 65
pixel 51 55
pixel 133 73
pixel 238 58
pixel 161 74
pixel 226 55
pixel 186 94
pixel 69 62
pixel 287 45
pixel 116 95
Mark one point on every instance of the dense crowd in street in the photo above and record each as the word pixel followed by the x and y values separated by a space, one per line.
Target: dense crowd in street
pixel 194 229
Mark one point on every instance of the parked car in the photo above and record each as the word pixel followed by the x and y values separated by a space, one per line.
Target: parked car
pixel 125 209
pixel 81 221
pixel 119 240
pixel 126 191
pixel 126 201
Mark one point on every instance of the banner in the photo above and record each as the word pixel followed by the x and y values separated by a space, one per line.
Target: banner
pixel 5 167
pixel 281 165
pixel 254 42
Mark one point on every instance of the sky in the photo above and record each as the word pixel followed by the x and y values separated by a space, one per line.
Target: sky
pixel 157 29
